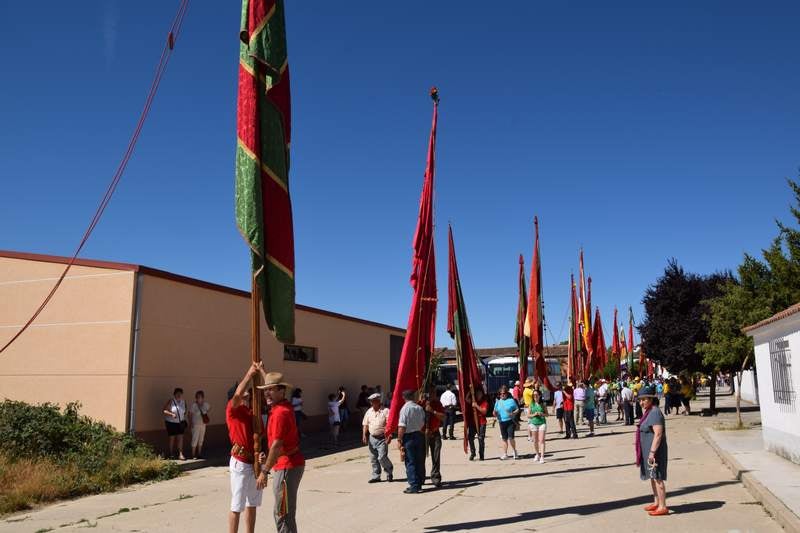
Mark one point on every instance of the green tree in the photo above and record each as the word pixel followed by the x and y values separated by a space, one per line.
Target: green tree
pixel 762 289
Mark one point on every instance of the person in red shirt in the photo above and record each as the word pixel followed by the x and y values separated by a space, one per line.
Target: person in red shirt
pixel 434 415
pixel 284 457
pixel 245 495
pixel 480 405
pixel 569 412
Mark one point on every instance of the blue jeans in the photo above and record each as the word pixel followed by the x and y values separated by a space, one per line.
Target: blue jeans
pixel 414 443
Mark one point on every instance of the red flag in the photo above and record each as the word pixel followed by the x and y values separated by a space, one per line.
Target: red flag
pixel 585 313
pixel 469 378
pixel 630 332
pixel 534 323
pixel 421 330
pixel 599 353
pixel 650 369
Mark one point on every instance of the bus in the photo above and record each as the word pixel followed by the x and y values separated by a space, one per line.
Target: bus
pixel 448 373
pixel 505 371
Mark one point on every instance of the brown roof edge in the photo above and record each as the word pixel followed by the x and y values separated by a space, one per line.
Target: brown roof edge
pixel 64 260
pixel 182 279
pixel 789 311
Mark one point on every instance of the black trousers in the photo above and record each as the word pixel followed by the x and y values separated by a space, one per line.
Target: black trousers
pixel 627 407
pixel 449 421
pixel 481 434
pixel 569 423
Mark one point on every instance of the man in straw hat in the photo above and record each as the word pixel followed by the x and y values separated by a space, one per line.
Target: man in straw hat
pixel 374 436
pixel 283 456
pixel 245 494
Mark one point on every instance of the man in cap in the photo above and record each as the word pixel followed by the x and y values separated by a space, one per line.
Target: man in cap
pixel 283 457
pixel 374 436
pixel 245 494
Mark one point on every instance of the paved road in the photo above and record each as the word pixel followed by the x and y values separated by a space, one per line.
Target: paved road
pixel 587 483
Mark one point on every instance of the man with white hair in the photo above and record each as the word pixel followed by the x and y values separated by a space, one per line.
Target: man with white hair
pixel 411 442
pixel 374 436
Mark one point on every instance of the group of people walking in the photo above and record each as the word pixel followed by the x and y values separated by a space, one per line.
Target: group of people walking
pixel 425 421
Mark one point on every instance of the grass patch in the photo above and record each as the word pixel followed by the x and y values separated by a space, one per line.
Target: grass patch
pixel 48 454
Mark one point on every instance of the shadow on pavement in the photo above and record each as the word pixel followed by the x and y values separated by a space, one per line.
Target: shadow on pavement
pixel 588 509
pixel 471 482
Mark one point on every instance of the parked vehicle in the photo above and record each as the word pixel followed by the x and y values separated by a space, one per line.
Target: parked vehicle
pixel 505 371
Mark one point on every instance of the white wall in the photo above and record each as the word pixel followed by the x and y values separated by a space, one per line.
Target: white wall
pixel 749 386
pixel 780 422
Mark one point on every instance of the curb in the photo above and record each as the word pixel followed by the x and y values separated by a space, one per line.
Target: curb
pixel 774 506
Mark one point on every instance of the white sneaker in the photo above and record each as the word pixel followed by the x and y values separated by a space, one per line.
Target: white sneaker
pixel 515 456
pixel 536 457
pixel 503 457
pixel 541 460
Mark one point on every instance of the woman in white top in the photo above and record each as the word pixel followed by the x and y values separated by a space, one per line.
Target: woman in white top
pixel 174 412
pixel 198 418
pixel 334 419
pixel 297 407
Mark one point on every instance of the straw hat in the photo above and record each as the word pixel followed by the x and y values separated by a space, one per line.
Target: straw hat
pixel 274 379
pixel 528 382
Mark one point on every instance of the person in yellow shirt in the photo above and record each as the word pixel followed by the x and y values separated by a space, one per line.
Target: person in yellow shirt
pixel 527 398
pixel 687 391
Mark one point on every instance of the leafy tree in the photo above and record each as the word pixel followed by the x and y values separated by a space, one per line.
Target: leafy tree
pixel 673 326
pixel 762 289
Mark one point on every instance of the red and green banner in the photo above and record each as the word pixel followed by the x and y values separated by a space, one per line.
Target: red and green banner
pixel 520 334
pixel 599 356
pixel 631 345
pixel 469 378
pixel 263 124
pixel 616 352
pixel 574 348
pixel 534 321
pixel 421 331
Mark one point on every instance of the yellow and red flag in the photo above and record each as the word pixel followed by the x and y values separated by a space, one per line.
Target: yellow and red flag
pixel 534 321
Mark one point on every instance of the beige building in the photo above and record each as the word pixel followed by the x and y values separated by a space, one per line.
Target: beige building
pixel 119 337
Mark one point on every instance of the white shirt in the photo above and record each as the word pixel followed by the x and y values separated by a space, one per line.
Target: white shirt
pixel 627 395
pixel 177 407
pixel 448 399
pixel 412 417
pixel 333 412
pixel 197 413
pixel 602 392
pixel 558 399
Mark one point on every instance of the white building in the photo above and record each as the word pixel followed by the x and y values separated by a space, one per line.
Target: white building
pixel 775 340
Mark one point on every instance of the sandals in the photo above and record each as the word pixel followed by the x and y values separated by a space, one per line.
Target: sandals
pixel 651 507
pixel 659 512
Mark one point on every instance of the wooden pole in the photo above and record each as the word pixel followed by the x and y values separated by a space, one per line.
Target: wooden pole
pixel 255 355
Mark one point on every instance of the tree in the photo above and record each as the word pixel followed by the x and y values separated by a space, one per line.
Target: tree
pixel 673 326
pixel 763 288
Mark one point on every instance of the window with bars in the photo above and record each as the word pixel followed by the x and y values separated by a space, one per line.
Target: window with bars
pixel 780 357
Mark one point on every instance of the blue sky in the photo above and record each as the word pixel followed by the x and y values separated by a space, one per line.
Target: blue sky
pixel 639 132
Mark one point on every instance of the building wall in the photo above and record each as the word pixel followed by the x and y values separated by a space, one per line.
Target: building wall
pixel 80 342
pixel 199 338
pixel 780 422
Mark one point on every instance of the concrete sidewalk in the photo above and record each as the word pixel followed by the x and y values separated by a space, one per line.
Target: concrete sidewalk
pixel 589 484
pixel 772 480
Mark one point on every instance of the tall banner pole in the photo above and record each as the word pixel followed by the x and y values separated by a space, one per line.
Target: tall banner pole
pixel 255 355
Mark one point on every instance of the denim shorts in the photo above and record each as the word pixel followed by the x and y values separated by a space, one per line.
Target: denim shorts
pixel 507 429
